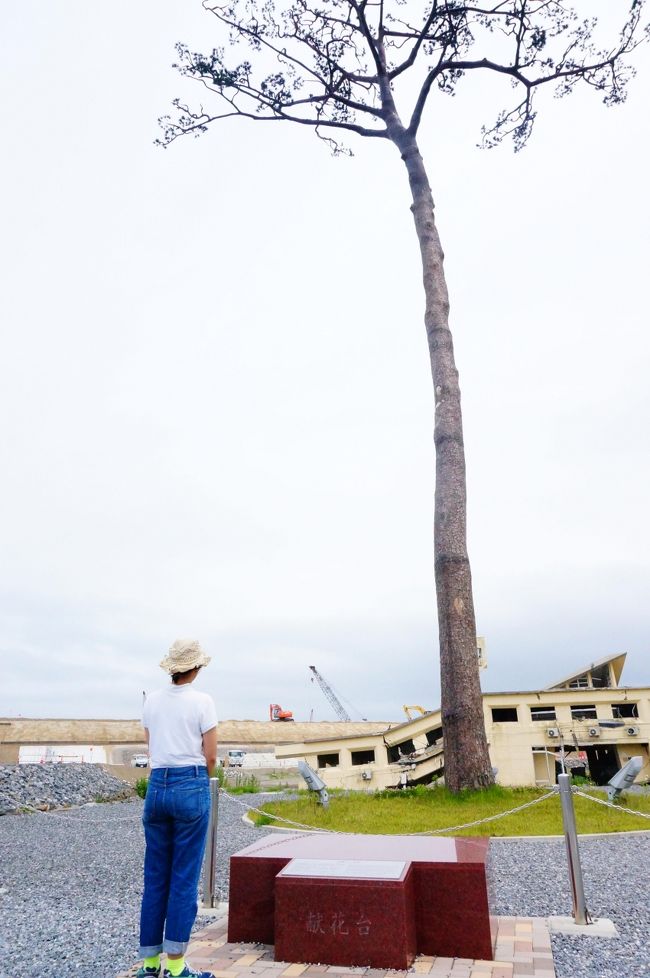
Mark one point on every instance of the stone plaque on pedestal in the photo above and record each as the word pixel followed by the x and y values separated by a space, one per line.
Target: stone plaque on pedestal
pixel 364 920
pixel 352 869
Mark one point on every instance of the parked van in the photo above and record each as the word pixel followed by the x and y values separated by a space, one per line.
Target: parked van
pixel 234 758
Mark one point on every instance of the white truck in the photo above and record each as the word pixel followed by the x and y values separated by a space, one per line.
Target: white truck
pixel 234 758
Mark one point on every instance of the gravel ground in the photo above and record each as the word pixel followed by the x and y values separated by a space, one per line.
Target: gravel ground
pixel 70 885
pixel 531 878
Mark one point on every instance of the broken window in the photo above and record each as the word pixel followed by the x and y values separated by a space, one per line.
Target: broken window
pixel 543 713
pixel 504 714
pixel 583 712
pixel 601 677
pixel 363 756
pixel 400 750
pixel 434 736
pixel 580 682
pixel 622 711
pixel 328 760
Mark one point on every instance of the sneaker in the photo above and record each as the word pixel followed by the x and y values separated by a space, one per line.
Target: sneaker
pixel 188 972
pixel 143 972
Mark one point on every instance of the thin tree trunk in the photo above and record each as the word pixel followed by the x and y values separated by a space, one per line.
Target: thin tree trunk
pixel 467 762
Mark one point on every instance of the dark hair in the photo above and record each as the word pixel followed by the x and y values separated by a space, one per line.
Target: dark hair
pixel 180 675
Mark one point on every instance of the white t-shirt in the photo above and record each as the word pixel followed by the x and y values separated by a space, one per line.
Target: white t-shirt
pixel 176 718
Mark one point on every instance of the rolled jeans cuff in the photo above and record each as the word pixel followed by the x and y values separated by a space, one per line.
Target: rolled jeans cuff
pixel 175 947
pixel 151 950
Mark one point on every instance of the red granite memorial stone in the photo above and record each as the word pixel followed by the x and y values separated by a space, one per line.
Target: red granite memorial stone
pixel 452 904
pixel 449 910
pixel 345 912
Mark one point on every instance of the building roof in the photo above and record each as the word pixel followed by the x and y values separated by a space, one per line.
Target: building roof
pixel 616 661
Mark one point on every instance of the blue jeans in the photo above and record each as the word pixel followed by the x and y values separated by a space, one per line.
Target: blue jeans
pixel 175 819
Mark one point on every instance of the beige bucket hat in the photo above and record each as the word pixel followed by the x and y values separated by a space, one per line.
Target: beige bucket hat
pixel 183 655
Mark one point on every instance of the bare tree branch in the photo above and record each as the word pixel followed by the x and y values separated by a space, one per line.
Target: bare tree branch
pixel 322 56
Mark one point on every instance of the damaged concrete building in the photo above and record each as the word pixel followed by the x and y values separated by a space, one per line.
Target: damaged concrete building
pixel 587 720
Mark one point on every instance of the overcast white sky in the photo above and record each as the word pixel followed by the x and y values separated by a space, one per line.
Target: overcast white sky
pixel 215 391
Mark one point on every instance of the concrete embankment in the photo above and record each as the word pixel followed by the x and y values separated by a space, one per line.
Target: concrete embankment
pixel 121 738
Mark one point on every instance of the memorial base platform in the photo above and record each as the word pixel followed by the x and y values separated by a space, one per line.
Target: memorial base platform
pixel 363 900
pixel 523 950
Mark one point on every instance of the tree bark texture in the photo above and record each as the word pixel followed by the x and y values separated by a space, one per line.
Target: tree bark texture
pixel 467 762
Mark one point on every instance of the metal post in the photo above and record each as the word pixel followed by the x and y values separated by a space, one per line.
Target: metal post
pixel 210 858
pixel 580 912
pixel 562 754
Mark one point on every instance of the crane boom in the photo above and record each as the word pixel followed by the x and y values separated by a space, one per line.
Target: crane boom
pixel 330 694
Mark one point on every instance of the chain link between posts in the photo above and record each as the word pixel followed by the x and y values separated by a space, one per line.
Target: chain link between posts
pixel 490 818
pixel 279 818
pixel 451 828
pixel 608 804
pixel 69 815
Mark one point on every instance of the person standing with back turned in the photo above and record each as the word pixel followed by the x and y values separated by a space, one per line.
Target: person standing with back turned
pixel 181 731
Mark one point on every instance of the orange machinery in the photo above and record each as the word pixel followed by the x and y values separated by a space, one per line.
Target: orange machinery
pixel 277 713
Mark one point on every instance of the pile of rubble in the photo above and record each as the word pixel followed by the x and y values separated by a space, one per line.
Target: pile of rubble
pixel 47 786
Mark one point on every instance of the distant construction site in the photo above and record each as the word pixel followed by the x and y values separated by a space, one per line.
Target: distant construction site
pixel 119 742
pixel 116 741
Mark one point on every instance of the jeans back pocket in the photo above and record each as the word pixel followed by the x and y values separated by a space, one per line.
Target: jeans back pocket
pixel 189 803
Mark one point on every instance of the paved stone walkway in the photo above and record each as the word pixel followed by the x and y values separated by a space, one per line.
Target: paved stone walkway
pixel 523 951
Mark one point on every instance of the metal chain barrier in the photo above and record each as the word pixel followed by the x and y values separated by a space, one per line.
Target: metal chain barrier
pixel 451 828
pixel 489 818
pixel 608 804
pixel 71 813
pixel 278 818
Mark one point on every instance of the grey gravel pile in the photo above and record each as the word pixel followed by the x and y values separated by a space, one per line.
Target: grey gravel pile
pixel 70 886
pixel 47 786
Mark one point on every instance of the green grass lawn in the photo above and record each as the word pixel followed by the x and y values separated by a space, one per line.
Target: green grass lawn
pixel 421 809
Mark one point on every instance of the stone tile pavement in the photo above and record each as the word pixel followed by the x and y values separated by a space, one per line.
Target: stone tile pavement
pixel 523 951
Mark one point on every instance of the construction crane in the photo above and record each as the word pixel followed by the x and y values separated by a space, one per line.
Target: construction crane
pixel 409 710
pixel 330 694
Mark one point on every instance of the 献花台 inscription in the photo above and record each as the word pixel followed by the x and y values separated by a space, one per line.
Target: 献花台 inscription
pixel 337 923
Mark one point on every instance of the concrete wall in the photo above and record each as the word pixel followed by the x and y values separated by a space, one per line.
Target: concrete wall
pixel 62 754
